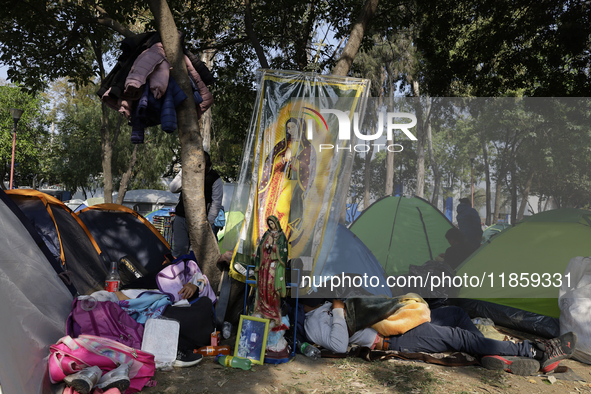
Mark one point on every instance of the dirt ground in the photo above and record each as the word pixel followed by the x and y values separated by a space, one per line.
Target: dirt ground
pixel 354 375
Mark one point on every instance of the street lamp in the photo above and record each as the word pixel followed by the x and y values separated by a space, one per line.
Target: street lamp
pixel 16 115
pixel 472 156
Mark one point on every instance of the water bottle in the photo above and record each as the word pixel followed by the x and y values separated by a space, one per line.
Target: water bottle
pixel 113 281
pixel 87 303
pixel 234 362
pixel 227 330
pixel 308 350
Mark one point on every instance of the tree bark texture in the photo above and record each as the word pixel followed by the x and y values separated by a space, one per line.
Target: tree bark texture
pixel 107 155
pixel 488 220
pixel 420 189
pixel 434 166
pixel 202 239
pixel 206 118
pixel 354 42
pixel 127 176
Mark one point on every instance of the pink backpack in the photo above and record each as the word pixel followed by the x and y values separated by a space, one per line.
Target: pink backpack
pixel 106 320
pixel 70 355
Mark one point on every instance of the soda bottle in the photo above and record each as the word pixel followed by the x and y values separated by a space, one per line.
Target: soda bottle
pixel 112 282
pixel 234 362
pixel 308 350
pixel 213 350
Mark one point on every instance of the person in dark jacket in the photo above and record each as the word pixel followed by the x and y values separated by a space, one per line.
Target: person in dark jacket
pixel 459 249
pixel 214 193
pixel 469 222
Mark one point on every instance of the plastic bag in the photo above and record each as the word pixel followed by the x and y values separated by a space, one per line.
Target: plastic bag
pixel 574 300
pixel 161 337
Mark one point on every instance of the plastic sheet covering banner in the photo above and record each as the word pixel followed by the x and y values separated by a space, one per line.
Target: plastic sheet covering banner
pixel 296 166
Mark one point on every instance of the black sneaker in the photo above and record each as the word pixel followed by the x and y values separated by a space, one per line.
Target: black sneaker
pixel 523 366
pixel 556 349
pixel 187 359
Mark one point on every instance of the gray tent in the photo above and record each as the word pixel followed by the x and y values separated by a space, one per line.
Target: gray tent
pixel 34 305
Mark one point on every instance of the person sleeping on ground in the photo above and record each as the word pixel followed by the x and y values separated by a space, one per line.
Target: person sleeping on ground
pixel 406 324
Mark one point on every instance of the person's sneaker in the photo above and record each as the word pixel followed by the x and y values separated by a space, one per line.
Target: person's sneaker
pixel 523 366
pixel 83 381
pixel 556 349
pixel 186 359
pixel 119 378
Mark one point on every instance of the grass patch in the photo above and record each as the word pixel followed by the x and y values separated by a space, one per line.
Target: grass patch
pixel 494 378
pixel 404 378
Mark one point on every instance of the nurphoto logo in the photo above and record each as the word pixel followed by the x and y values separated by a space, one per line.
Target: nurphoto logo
pixel 344 132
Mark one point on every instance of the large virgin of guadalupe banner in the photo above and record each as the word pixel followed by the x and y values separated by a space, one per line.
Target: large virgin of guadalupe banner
pixel 296 166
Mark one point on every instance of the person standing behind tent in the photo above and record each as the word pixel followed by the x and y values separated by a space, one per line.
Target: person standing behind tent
pixel 469 222
pixel 214 193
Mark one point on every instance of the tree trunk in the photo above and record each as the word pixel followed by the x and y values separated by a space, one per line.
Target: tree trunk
pixel 434 166
pixel 206 118
pixel 420 190
pixel 525 195
pixel 354 42
pixel 498 188
pixel 488 220
pixel 127 176
pixel 513 196
pixel 107 155
pixel 202 239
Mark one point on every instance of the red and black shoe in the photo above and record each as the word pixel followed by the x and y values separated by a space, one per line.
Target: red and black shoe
pixel 523 366
pixel 556 349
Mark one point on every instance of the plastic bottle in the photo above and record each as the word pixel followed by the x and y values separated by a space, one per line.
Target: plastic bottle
pixel 227 330
pixel 308 350
pixel 213 350
pixel 234 362
pixel 113 281
pixel 87 303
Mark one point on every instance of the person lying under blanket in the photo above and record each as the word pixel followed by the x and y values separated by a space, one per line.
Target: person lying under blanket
pixel 406 324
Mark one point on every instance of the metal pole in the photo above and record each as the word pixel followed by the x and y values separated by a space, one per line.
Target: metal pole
pixel 12 162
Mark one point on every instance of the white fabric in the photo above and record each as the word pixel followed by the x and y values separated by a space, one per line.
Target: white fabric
pixel 575 305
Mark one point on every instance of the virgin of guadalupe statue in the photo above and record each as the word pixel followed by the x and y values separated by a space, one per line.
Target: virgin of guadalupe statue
pixel 270 263
pixel 287 174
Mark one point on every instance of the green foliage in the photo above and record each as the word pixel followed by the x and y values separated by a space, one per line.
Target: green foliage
pixel 31 138
pixel 490 47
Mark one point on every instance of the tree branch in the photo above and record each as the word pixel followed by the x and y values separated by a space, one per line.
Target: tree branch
pixel 354 42
pixel 253 36
pixel 105 20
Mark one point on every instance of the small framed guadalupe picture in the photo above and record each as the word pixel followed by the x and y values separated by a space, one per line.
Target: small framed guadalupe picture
pixel 251 340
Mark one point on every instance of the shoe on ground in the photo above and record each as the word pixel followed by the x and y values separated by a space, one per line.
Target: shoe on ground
pixel 118 378
pixel 523 366
pixel 556 349
pixel 187 359
pixel 83 381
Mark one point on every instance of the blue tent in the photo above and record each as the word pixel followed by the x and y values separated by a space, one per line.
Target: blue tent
pixel 350 256
pixel 158 212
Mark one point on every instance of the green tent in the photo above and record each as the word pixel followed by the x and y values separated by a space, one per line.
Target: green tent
pixel 402 231
pixel 537 248
pixel 493 231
